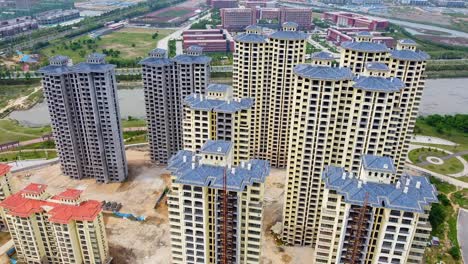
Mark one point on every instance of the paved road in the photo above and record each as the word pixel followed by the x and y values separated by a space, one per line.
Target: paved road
pixel 462 232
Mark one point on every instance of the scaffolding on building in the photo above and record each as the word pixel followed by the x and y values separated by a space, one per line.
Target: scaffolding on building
pixel 228 208
pixel 356 240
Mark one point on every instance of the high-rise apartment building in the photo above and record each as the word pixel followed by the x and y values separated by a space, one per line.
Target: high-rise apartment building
pixel 218 116
pixel 205 225
pixel 166 83
pixel 59 229
pixel 367 219
pixel 85 117
pixel 340 113
pixel 263 70
pixel 5 189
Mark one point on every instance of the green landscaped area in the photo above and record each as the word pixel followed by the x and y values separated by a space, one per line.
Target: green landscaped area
pixel 11 130
pixel 28 155
pixel 443 219
pixel 18 96
pixel 450 166
pixel 124 47
pixel 176 13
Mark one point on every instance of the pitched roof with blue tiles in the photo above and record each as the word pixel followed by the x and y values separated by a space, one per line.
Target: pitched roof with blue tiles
pixel 204 175
pixel 409 55
pixel 289 35
pixel 378 163
pixel 382 195
pixel 85 67
pixel 217 87
pixel 378 84
pixel 190 59
pixel 218 147
pixel 54 69
pixel 364 46
pixel 377 66
pixel 155 61
pixel 251 38
pixel 323 72
pixel 290 24
pixel 364 34
pixel 58 65
pixel 322 55
pixel 196 102
pixel 407 42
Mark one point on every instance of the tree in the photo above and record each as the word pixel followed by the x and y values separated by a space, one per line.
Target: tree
pixel 437 218
pixel 155 35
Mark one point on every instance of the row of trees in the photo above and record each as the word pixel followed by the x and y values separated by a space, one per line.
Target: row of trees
pixel 458 122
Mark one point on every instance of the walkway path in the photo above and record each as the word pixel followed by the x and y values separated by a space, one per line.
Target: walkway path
pixel 432 140
pixel 456 155
pixel 462 233
pixel 461 153
pixel 442 177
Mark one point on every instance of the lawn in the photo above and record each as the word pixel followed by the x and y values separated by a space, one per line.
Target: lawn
pixel 124 46
pixel 132 122
pixel 11 130
pixel 12 92
pixel 220 58
pixel 136 140
pixel 176 13
pixel 450 166
pixel 423 153
pixel 28 155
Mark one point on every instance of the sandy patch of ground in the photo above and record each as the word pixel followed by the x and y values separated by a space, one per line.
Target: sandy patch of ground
pixel 149 242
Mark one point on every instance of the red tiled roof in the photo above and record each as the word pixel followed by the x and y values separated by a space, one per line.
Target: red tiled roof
pixel 69 194
pixel 34 188
pixel 19 205
pixel 4 169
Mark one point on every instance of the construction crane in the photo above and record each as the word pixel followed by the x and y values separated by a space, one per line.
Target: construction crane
pixel 358 225
pixel 227 233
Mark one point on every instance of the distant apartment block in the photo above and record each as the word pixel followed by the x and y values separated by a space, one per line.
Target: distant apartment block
pixel 18 4
pixel 301 16
pixel 237 19
pixel 5 189
pixel 346 19
pixel 167 82
pixel 203 218
pixel 350 110
pixel 263 70
pixel 57 16
pixel 224 3
pixel 217 115
pixel 259 3
pixel 209 39
pixel 366 218
pixel 451 3
pixel 12 27
pixel 59 229
pixel 415 2
pixel 85 115
pixel 339 35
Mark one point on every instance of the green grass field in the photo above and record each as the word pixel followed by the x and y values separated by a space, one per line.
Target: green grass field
pixel 28 155
pixel 176 13
pixel 11 130
pixel 12 92
pixel 132 43
pixel 450 166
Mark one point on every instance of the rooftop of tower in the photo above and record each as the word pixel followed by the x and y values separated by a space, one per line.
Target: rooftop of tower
pixel 322 55
pixel 378 163
pixel 323 72
pixel 409 55
pixel 410 193
pixel 407 42
pixel 251 38
pixel 192 59
pixel 217 87
pixel 200 102
pixel 289 35
pixel 377 66
pixel 364 46
pixel 220 147
pixel 374 83
pixel 186 166
pixel 59 65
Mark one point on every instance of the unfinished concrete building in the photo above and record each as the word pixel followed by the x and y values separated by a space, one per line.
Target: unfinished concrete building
pixel 215 208
pixel 166 83
pixel 85 116
pixel 218 116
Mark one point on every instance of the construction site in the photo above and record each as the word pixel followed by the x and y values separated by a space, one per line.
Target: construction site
pixel 144 236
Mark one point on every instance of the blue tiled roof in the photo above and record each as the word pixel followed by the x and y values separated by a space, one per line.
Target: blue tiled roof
pixel 377 66
pixel 155 61
pixel 217 105
pixel 409 55
pixel 91 67
pixel 364 46
pixel 251 38
pixel 322 55
pixel 195 48
pixel 54 70
pixel 382 195
pixel 407 41
pixel 96 56
pixel 188 59
pixel 323 72
pixel 364 34
pixel 217 87
pixel 373 83
pixel 253 27
pixel 289 35
pixel 378 163
pixel 220 147
pixel 290 24
pixel 212 176
pixel 59 59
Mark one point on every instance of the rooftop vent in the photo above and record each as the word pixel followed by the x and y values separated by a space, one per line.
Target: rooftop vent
pixel 398 185
pixel 184 158
pixel 249 166
pixel 193 165
pixel 233 170
pixel 219 149
pixel 385 166
pixel 418 185
pixel 405 190
pixel 343 176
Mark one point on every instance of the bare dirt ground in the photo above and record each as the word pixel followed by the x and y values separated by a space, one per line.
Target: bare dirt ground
pixel 149 242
